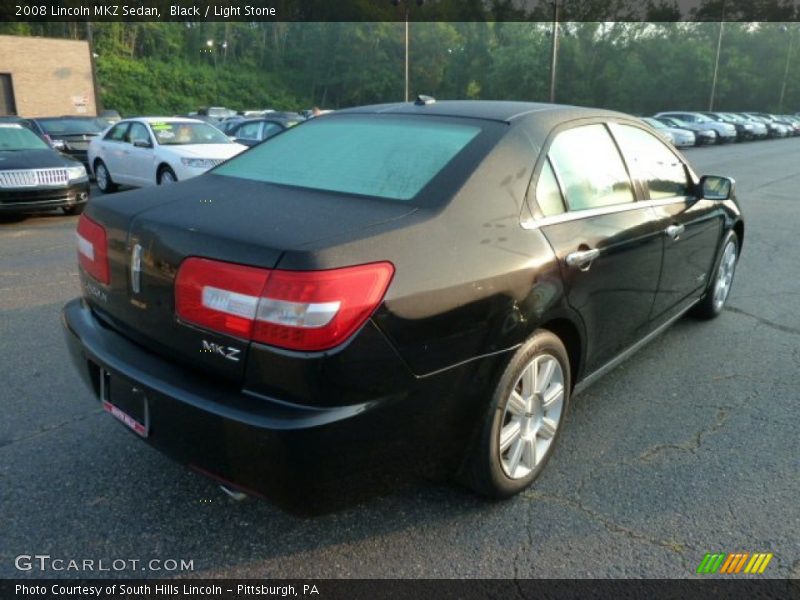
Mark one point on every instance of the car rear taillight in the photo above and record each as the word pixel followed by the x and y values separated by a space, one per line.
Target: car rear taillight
pixel 298 310
pixel 93 249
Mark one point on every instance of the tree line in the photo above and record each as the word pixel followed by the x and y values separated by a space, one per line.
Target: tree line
pixel 636 67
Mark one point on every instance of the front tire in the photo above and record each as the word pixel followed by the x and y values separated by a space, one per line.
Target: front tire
pixel 713 303
pixel 166 176
pixel 524 419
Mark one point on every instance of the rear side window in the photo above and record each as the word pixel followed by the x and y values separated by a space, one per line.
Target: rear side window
pixel 385 157
pixel 249 131
pixel 590 168
pixel 653 163
pixel 271 129
pixel 548 195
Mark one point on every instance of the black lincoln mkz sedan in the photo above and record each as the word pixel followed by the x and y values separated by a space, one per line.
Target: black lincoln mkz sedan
pixel 394 287
pixel 34 177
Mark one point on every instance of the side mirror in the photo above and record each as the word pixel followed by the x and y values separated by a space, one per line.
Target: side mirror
pixel 142 144
pixel 233 138
pixel 716 187
pixel 58 144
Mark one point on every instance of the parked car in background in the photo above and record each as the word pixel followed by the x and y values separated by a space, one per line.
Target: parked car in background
pixel 112 116
pixel 795 121
pixel 793 127
pixel 229 123
pixel 680 137
pixel 217 113
pixel 744 130
pixel 703 136
pixel 774 129
pixel 35 177
pixel 157 151
pixel 726 132
pixel 759 129
pixel 289 330
pixel 71 135
pixel 253 131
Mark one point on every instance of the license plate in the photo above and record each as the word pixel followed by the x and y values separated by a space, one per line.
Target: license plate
pixel 125 402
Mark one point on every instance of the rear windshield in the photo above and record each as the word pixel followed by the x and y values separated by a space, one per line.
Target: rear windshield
pixel 73 126
pixel 385 157
pixel 15 137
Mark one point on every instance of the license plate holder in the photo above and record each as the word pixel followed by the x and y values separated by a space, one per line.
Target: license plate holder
pixel 126 402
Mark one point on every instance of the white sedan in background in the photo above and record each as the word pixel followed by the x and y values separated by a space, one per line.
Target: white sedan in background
pixel 157 151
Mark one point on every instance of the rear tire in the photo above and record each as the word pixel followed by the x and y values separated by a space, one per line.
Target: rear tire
pixel 523 421
pixel 103 178
pixel 713 303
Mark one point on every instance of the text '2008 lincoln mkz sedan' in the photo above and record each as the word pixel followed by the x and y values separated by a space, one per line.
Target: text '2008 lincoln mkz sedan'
pixel 394 287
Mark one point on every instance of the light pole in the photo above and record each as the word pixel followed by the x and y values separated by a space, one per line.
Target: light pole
pixel 554 53
pixel 406 7
pixel 716 60
pixel 210 45
pixel 786 69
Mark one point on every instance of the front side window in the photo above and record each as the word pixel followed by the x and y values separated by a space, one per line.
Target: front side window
pixel 652 162
pixel 590 168
pixel 138 133
pixel 117 133
pixel 385 157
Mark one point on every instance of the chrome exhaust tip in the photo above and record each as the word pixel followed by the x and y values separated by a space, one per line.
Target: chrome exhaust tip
pixel 238 496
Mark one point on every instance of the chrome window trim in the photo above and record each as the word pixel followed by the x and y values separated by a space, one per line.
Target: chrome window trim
pixel 534 223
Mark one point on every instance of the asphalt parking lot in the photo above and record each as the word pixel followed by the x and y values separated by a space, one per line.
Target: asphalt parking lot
pixel 689 447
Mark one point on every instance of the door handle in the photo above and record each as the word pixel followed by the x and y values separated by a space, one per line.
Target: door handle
pixel 674 231
pixel 582 259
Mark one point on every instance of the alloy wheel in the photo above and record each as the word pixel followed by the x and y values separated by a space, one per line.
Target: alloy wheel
pixel 727 266
pixel 531 417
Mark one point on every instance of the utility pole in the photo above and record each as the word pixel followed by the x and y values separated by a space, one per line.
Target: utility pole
pixel 786 70
pixel 554 53
pixel 406 61
pixel 406 4
pixel 716 60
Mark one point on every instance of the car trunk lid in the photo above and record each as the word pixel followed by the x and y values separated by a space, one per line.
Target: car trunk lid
pixel 220 218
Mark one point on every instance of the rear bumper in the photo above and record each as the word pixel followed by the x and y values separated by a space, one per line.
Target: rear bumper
pixel 41 199
pixel 297 456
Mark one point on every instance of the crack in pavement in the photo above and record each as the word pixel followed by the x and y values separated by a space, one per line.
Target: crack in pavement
pixel 610 525
pixel 763 321
pixel 692 444
pixel 47 429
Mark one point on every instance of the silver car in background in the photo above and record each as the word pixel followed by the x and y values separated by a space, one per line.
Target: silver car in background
pixel 725 131
pixel 681 138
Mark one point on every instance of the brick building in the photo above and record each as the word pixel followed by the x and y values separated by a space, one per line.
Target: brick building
pixel 45 77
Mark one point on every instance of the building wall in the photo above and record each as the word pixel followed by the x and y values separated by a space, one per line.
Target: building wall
pixel 50 77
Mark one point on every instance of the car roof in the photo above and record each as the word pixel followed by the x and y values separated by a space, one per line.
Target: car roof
pixel 11 126
pixel 162 120
pixel 493 110
pixel 67 117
